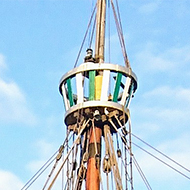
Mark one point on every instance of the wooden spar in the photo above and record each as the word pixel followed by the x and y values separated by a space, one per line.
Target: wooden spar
pixel 100 31
pixel 93 165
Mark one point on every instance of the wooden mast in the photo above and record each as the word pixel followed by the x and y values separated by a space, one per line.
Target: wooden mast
pixel 100 30
pixel 93 166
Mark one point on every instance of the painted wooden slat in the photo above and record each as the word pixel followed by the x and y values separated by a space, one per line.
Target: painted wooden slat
pixel 80 88
pixel 117 86
pixel 65 100
pixel 126 90
pixel 70 93
pixel 98 86
pixel 105 85
pixel 92 85
pixel 130 95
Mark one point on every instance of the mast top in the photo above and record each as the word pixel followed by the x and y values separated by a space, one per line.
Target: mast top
pixel 100 31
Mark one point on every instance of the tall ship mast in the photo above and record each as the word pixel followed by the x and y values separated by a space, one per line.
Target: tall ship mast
pixel 96 153
pixel 97 96
pixel 97 116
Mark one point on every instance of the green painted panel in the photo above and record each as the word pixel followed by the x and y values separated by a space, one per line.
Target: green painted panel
pixel 117 86
pixel 70 93
pixel 92 85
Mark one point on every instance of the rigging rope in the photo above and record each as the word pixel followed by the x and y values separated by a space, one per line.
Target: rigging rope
pixel 141 174
pixel 114 163
pixel 45 166
pixel 133 158
pixel 39 172
pixel 63 176
pixel 126 173
pixel 130 145
pixel 119 17
pixel 72 163
pixel 161 153
pixel 92 34
pixel 42 169
pixel 120 34
pixel 162 161
pixel 54 166
pixel 85 37
pixel 67 145
pixel 89 38
pixel 83 127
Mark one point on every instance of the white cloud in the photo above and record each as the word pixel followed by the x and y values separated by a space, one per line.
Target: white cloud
pixel 170 60
pixel 13 104
pixel 169 102
pixel 9 181
pixel 163 111
pixel 178 93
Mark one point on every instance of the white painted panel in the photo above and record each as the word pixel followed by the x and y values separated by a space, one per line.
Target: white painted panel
pixel 80 88
pixel 129 100
pixel 105 85
pixel 65 99
pixel 125 91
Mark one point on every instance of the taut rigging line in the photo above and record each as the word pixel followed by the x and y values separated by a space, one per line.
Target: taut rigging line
pixel 158 152
pixel 162 161
pixel 43 168
pixel 124 140
pixel 39 172
pixel 161 153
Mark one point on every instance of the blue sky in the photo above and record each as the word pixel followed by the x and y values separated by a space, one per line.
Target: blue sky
pixel 39 42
